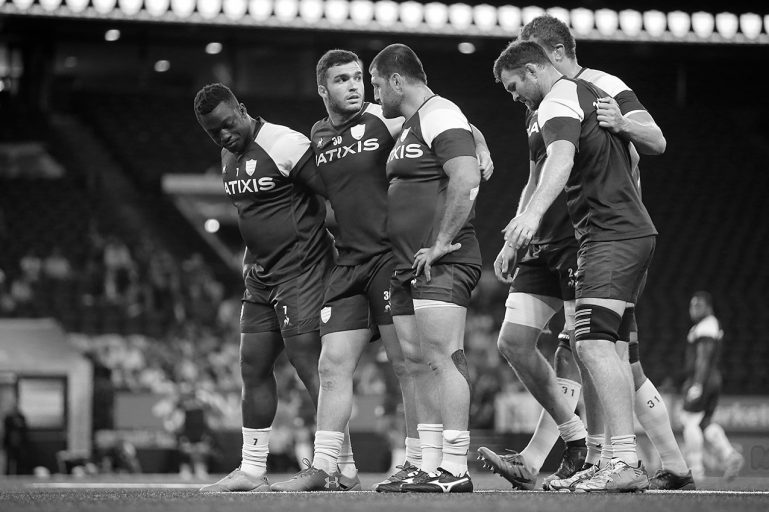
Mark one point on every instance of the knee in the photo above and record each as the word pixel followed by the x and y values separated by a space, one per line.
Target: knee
pixel 334 363
pixel 252 370
pixel 514 347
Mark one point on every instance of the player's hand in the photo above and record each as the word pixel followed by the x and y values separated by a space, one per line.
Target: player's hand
pixel 425 257
pixel 485 163
pixel 505 264
pixel 609 115
pixel 520 230
pixel 694 393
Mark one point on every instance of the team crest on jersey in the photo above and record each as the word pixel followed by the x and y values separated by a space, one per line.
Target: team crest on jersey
pixel 358 131
pixel 325 314
pixel 250 167
pixel 405 134
pixel 320 142
pixel 224 169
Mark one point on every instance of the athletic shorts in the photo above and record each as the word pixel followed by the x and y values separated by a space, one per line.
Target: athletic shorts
pixel 450 282
pixel 291 307
pixel 358 296
pixel 613 269
pixel 707 402
pixel 547 269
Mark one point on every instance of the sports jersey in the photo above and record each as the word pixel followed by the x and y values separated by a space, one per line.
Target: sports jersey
pixel 624 96
pixel 281 221
pixel 707 328
pixel 603 201
pixel 351 161
pixel 416 199
pixel 555 224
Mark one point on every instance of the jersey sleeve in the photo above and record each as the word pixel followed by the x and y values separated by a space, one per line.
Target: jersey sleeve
pixel 707 328
pixel 447 132
pixel 614 86
pixel 560 115
pixel 394 125
pixel 289 149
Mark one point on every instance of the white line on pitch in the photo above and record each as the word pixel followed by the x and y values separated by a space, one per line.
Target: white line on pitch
pixel 115 485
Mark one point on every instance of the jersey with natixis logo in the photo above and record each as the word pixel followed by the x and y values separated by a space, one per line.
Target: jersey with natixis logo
pixel 435 134
pixel 351 160
pixel 281 220
pixel 602 197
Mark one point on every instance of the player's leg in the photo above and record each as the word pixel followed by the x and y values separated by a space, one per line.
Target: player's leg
pixel 609 277
pixel 652 413
pixel 694 440
pixel 344 325
pixel 260 346
pixel 714 434
pixel 426 396
pixel 440 309
pixel 381 308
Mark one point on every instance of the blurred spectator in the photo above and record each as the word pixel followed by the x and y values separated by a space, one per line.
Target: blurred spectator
pixel 56 266
pixel 119 271
pixel 15 440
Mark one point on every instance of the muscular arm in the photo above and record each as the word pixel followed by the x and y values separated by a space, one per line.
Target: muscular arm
pixel 637 127
pixel 484 155
pixel 309 176
pixel 460 196
pixel 529 188
pixel 464 179
pixel 555 174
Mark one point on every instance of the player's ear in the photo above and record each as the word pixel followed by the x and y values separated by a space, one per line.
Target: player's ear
pixel 396 81
pixel 242 108
pixel 322 91
pixel 531 68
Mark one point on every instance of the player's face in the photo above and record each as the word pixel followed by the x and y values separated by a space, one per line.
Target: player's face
pixel 344 88
pixel 521 86
pixel 698 309
pixel 228 126
pixel 385 95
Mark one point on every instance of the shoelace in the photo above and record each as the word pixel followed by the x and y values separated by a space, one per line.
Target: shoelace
pixel 306 471
pixel 513 457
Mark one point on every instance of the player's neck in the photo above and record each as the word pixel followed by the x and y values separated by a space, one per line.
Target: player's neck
pixel 339 119
pixel 572 69
pixel 414 100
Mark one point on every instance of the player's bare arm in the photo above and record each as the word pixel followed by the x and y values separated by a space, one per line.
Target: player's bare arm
pixel 464 179
pixel 506 260
pixel 705 349
pixel 484 155
pixel 637 127
pixel 555 174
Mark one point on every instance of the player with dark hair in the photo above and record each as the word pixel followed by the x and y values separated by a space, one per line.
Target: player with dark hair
pixel 434 178
pixel 702 388
pixel 351 148
pixel 627 117
pixel 614 230
pixel 269 173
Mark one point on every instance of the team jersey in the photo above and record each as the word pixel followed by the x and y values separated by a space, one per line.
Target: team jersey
pixel 624 96
pixel 603 200
pixel 707 328
pixel 435 134
pixel 281 220
pixel 351 161
pixel 555 224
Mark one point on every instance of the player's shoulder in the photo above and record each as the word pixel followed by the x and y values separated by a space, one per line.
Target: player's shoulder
pixel 271 132
pixel 708 327
pixel 319 126
pixel 611 84
pixel 440 114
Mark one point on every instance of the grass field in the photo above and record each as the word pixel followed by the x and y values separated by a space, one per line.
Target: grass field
pixel 169 493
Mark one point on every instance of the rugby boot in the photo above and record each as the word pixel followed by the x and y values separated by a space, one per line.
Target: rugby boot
pixel 511 467
pixel 443 482
pixel 405 471
pixel 572 460
pixel 667 481
pixel 238 481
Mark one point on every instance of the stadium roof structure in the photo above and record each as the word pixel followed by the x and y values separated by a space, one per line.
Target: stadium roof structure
pixel 410 17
